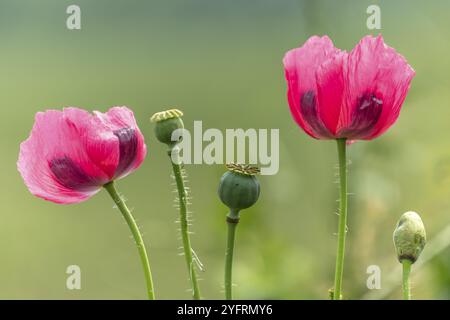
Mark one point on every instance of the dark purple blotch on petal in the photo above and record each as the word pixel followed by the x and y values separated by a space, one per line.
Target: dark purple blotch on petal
pixel 128 145
pixel 364 117
pixel 308 110
pixel 70 175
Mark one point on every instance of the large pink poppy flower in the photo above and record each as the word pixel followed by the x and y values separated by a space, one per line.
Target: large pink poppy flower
pixel 334 94
pixel 71 154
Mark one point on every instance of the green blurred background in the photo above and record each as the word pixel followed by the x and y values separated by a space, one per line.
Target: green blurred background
pixel 220 62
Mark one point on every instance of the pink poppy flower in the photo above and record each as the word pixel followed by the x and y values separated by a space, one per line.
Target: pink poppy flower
pixel 71 154
pixel 334 94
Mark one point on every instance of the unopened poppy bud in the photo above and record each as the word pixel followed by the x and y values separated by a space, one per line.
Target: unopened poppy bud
pixel 239 189
pixel 166 123
pixel 409 237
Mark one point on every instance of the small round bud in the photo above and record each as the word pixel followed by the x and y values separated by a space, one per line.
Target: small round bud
pixel 239 189
pixel 166 123
pixel 409 237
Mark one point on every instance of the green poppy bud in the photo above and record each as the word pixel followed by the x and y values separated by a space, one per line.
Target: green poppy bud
pixel 239 189
pixel 409 237
pixel 166 123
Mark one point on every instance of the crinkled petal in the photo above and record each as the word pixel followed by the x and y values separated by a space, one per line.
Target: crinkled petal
pixel 132 148
pixel 51 155
pixel 330 89
pixel 98 142
pixel 300 67
pixel 377 81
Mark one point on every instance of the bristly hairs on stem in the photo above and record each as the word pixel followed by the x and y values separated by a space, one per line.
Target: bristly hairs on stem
pixel 188 214
pixel 342 224
pixel 166 122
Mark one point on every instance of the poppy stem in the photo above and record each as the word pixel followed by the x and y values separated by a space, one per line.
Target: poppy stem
pixel 232 222
pixel 118 200
pixel 341 146
pixel 182 199
pixel 406 271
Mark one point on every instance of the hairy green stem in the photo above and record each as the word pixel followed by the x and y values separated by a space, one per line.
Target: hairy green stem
pixel 406 271
pixel 182 198
pixel 341 146
pixel 232 221
pixel 111 188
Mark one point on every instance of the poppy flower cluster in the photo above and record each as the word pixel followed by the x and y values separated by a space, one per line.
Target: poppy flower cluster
pixel 333 94
pixel 71 154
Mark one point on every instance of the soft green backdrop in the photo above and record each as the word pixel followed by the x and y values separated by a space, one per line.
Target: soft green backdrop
pixel 220 62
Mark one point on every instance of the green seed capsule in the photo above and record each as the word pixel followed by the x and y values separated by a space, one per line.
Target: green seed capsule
pixel 409 237
pixel 239 189
pixel 166 123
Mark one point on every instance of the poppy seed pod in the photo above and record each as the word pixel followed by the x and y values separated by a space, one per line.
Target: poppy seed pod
pixel 409 237
pixel 239 189
pixel 166 123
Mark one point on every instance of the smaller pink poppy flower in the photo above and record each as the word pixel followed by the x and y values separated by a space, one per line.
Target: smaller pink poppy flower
pixel 333 94
pixel 71 154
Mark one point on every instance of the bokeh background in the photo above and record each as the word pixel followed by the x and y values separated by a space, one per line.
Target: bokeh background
pixel 220 62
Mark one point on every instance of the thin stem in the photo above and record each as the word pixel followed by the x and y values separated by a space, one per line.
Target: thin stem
pixel 111 188
pixel 182 198
pixel 232 221
pixel 341 145
pixel 406 271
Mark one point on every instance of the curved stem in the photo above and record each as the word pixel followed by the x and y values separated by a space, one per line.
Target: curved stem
pixel 182 197
pixel 232 221
pixel 110 187
pixel 341 145
pixel 406 271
